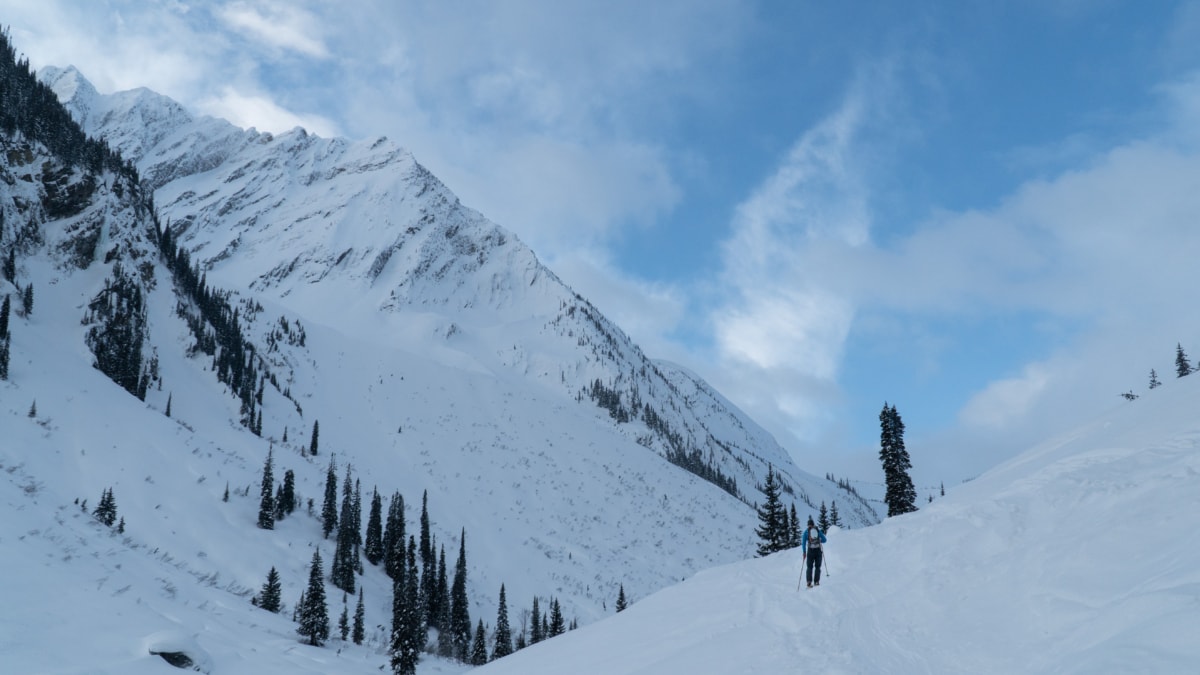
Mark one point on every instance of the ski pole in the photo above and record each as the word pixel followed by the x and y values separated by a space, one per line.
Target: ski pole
pixel 825 563
pixel 801 578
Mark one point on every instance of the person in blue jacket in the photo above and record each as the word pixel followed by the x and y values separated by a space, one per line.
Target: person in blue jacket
pixel 810 543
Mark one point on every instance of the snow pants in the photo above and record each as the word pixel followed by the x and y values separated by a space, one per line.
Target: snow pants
pixel 814 560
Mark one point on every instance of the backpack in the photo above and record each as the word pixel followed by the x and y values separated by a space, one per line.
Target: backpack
pixel 814 538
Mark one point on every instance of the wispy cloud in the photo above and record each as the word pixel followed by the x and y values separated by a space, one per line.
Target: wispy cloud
pixel 281 25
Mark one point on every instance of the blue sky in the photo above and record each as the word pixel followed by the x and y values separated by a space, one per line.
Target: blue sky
pixel 984 213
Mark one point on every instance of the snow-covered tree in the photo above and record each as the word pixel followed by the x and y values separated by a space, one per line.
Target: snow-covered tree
pixel 373 547
pixel 772 530
pixel 271 596
pixel 266 506
pixel 503 640
pixel 313 613
pixel 1182 367
pixel 900 494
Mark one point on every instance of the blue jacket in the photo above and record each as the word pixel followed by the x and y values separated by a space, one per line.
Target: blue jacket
pixel 804 539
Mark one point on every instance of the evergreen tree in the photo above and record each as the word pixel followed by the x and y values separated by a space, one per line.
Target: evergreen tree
pixel 373 548
pixel 823 518
pixel 168 410
pixel 121 526
pixel 622 603
pixel 5 356
pixel 27 299
pixel 1182 367
pixel 772 529
pixel 460 616
pixel 342 569
pixel 558 626
pixel 344 620
pixel 793 528
pixel 407 628
pixel 535 632
pixel 900 495
pixel 312 445
pixel 359 616
pixel 10 265
pixel 1154 383
pixel 314 615
pixel 329 515
pixel 440 616
pixel 271 596
pixel 225 497
pixel 266 507
pixel 5 308
pixel 503 640
pixel 288 496
pixel 394 538
pixel 521 641
pixel 479 654
pixel 834 518
pixel 106 510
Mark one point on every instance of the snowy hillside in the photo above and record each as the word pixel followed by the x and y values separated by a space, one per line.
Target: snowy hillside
pixel 359 237
pixel 438 356
pixel 1078 556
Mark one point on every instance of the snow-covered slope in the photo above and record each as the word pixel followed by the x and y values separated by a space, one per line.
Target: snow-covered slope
pixel 359 237
pixel 1078 556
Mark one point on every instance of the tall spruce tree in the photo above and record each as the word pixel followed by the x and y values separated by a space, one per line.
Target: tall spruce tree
pixel 772 530
pixel 266 506
pixel 794 530
pixel 271 597
pixel 503 640
pixel 314 614
pixel 622 603
pixel 823 518
pixel 460 614
pixel 900 494
pixel 5 309
pixel 106 510
pixel 312 444
pixel 329 515
pixel 342 570
pixel 479 655
pixel 834 518
pixel 288 503
pixel 407 627
pixel 373 547
pixel 558 625
pixel 535 630
pixel 359 620
pixel 394 538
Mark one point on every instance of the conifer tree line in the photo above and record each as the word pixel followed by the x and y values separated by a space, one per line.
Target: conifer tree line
pixel 31 108
pixel 5 339
pixel 900 494
pixel 216 327
pixel 678 452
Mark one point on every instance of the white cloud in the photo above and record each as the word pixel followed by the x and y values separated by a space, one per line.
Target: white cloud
pixel 261 112
pixel 281 25
pixel 1004 402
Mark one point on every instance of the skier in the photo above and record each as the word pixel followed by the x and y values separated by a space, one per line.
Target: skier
pixel 810 544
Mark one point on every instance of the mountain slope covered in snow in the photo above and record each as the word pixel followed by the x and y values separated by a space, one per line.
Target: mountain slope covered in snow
pixel 439 357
